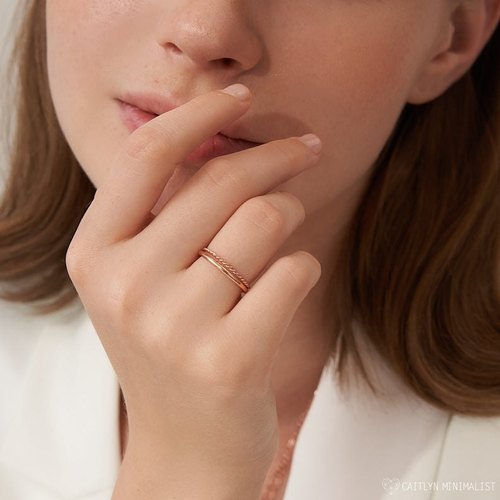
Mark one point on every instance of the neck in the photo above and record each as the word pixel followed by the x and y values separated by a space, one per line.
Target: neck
pixel 308 340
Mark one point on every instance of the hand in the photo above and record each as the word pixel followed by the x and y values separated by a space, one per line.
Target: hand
pixel 193 358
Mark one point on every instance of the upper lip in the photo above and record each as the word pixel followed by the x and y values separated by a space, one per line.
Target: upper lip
pixel 150 102
pixel 158 104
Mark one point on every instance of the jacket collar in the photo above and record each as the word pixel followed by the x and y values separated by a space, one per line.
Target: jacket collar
pixel 470 461
pixel 65 430
pixel 355 445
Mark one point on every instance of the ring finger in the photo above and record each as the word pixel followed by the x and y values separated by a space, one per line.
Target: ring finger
pixel 196 212
pixel 248 241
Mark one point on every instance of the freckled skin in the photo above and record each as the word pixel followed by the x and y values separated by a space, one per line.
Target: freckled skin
pixel 340 69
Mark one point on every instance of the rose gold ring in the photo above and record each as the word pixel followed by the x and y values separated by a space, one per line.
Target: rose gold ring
pixel 226 268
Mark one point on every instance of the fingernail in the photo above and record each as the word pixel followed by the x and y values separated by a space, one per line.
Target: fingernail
pixel 312 141
pixel 238 90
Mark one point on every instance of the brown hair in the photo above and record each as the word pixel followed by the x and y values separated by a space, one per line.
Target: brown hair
pixel 47 191
pixel 419 267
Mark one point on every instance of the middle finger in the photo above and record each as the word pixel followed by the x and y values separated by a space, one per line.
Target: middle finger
pixel 195 214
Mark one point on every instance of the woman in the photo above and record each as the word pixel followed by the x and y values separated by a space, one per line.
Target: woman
pixel 138 186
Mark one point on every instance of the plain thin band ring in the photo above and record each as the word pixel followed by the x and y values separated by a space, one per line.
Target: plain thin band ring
pixel 226 268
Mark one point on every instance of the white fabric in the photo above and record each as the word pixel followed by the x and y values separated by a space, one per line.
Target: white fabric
pixel 59 428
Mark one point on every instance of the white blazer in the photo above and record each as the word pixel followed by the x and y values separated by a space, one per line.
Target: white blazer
pixel 59 428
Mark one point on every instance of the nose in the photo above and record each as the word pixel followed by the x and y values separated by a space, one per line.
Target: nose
pixel 212 34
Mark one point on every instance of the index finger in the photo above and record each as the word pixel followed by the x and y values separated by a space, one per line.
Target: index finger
pixel 151 153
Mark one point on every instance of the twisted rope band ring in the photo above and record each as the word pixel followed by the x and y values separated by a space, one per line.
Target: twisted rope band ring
pixel 226 268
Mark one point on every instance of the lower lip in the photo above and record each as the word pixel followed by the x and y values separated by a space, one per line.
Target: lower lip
pixel 219 145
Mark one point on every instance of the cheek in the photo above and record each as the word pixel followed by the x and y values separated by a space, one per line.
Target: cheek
pixel 84 41
pixel 354 98
pixel 365 80
pixel 67 55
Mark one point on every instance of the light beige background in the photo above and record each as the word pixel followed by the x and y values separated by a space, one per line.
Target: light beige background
pixel 6 13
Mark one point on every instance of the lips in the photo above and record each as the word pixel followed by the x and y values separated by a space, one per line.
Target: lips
pixel 134 117
pixel 139 109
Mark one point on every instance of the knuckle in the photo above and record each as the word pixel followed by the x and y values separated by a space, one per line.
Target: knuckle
pixel 293 202
pixel 123 300
pixel 298 268
pixel 123 310
pixel 143 141
pixel 221 174
pixel 76 263
pixel 263 213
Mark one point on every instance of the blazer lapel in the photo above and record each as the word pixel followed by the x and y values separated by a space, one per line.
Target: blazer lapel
pixel 65 433
pixel 470 465
pixel 357 446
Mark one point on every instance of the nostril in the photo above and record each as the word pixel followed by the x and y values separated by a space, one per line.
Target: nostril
pixel 226 61
pixel 172 47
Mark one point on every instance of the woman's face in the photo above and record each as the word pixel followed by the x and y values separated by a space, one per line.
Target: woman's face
pixel 342 69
